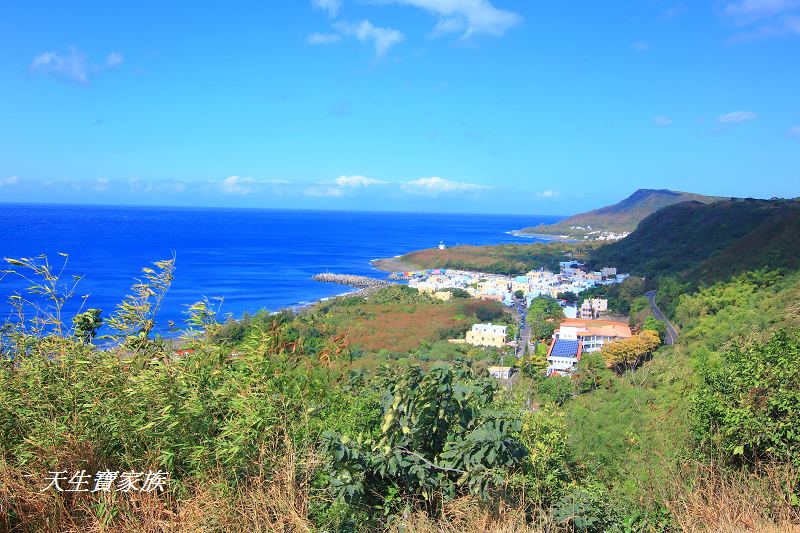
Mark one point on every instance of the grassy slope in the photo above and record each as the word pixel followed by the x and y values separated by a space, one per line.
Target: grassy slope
pixel 503 258
pixel 634 432
pixel 399 326
pixel 707 242
pixel 622 216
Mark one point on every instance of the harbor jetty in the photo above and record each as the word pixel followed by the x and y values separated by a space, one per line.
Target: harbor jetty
pixel 361 282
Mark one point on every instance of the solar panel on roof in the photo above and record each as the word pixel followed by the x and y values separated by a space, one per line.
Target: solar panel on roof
pixel 565 348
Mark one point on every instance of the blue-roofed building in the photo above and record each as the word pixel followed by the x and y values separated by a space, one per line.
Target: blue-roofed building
pixel 563 356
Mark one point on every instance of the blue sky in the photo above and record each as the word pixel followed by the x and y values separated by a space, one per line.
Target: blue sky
pixel 417 105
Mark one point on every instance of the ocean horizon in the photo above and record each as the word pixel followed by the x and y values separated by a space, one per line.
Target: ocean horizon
pixel 253 258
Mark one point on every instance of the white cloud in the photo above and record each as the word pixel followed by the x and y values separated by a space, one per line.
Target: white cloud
pixel 549 193
pixel 72 67
pixel 382 38
pixel 736 117
pixel 323 191
pixel 469 17
pixel 158 187
pixel 759 9
pixel 357 181
pixel 243 186
pixel 640 46
pixel 662 120
pixel 436 185
pixel 794 133
pixel 114 59
pixel 101 184
pixel 762 19
pixel 237 185
pixel 9 181
pixel 323 38
pixel 331 6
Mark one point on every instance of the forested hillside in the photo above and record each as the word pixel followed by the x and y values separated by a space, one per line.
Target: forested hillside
pixel 699 242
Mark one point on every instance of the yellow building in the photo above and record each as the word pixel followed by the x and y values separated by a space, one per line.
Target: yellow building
pixel 487 335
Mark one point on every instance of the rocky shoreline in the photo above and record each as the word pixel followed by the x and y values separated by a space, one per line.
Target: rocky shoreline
pixel 360 282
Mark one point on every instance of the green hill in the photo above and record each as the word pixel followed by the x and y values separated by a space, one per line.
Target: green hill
pixel 709 242
pixel 621 217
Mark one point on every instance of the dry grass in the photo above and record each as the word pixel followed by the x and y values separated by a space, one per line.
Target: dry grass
pixel 278 501
pixel 466 514
pixel 401 327
pixel 275 503
pixel 729 502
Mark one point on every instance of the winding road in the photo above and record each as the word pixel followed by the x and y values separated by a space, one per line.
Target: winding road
pixel 672 335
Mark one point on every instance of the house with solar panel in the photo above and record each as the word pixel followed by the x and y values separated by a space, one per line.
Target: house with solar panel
pixel 576 336
pixel 563 356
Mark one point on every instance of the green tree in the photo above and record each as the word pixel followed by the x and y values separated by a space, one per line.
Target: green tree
pixel 544 315
pixel 534 364
pixel 626 354
pixel 86 324
pixel 668 295
pixel 439 436
pixel 651 323
pixel 747 404
pixel 591 372
pixel 569 296
pixel 546 468
pixel 458 293
pixel 556 389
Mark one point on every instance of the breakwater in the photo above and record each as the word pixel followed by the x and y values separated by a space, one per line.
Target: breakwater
pixel 361 282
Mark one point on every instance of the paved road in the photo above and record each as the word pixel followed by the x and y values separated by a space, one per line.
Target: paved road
pixel 672 335
pixel 520 312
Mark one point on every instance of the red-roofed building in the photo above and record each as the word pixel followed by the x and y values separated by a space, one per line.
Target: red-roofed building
pixel 593 334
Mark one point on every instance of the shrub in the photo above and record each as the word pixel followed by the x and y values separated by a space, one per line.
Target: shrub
pixel 748 403
pixel 440 437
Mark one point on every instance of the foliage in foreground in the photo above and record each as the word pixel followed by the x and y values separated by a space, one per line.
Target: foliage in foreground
pixel 748 403
pixel 440 436
pixel 277 433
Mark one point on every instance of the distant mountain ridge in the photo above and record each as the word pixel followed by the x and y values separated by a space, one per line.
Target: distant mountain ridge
pixel 704 243
pixel 621 217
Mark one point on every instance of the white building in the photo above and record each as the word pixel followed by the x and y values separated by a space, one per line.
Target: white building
pixel 593 308
pixel 487 335
pixel 501 372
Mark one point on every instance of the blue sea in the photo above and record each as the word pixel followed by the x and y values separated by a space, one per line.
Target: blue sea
pixel 253 258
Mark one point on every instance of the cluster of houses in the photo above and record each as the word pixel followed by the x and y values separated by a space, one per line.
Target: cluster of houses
pixel 606 235
pixel 572 277
pixel 584 330
pixel 573 338
pixel 600 235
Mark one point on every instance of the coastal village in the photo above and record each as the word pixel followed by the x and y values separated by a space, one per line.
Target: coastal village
pixel 583 330
pixel 600 235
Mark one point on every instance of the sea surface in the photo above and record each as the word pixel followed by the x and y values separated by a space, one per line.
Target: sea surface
pixel 253 258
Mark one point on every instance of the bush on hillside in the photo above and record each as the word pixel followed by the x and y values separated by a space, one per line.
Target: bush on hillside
pixel 747 404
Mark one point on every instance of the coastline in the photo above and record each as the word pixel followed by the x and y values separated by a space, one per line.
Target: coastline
pixel 393 264
pixel 543 236
pixel 397 264
pixel 301 307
